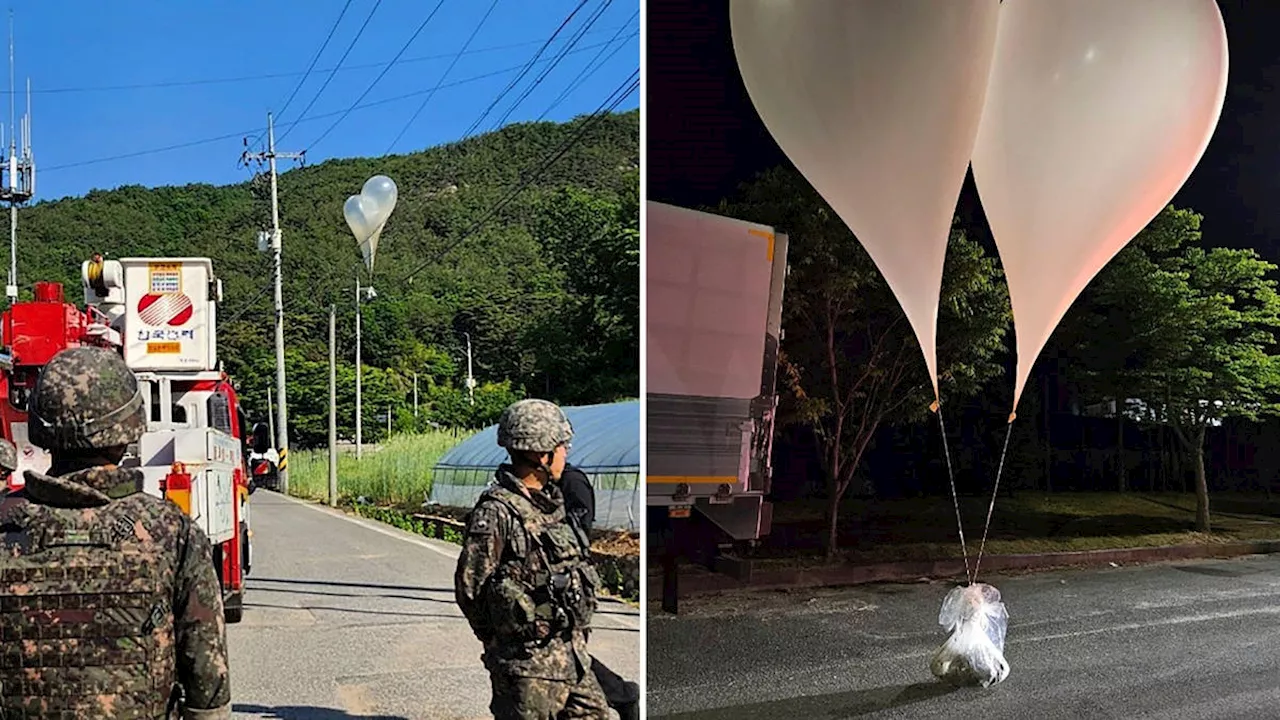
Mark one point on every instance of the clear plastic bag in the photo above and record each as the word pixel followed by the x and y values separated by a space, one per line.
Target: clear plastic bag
pixel 977 621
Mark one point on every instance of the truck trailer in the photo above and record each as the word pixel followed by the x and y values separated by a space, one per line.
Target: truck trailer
pixel 713 325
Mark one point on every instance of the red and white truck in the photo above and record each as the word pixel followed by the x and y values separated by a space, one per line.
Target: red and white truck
pixel 161 314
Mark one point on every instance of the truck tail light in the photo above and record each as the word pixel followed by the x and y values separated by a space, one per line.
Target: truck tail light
pixel 177 487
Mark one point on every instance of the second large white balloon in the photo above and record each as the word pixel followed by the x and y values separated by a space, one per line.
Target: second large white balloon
pixel 1096 114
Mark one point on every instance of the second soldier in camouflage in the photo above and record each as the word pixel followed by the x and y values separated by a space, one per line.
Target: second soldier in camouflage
pixel 524 579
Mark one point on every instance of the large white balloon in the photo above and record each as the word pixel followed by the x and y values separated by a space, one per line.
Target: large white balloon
pixel 877 104
pixel 368 212
pixel 1096 113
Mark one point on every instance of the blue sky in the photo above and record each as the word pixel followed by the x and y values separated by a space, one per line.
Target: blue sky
pixel 129 76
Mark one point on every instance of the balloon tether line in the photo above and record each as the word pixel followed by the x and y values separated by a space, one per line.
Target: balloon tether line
pixel 955 499
pixel 994 490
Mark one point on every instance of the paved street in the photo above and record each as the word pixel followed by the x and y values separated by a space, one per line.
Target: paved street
pixel 1192 640
pixel 349 618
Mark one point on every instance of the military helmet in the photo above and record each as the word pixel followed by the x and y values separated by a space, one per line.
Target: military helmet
pixel 8 456
pixel 533 426
pixel 86 398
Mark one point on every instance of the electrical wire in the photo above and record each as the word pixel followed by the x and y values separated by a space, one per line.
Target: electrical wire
pixel 249 305
pixel 373 84
pixel 528 66
pixel 448 70
pixel 623 91
pixel 315 59
pixel 333 72
pixel 166 84
pixel 560 55
pixel 591 68
pixel 245 133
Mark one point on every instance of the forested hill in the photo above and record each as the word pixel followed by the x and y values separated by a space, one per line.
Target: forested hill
pixel 548 288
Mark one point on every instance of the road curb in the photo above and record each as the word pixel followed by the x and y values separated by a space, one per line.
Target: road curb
pixel 953 568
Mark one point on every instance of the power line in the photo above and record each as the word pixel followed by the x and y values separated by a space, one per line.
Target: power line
pixel 249 305
pixel 623 91
pixel 448 70
pixel 245 133
pixel 315 59
pixel 333 72
pixel 524 72
pixel 591 68
pixel 166 84
pixel 577 37
pixel 369 89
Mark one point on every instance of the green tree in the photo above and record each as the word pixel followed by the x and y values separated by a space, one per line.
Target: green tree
pixel 1185 331
pixel 850 360
pixel 596 243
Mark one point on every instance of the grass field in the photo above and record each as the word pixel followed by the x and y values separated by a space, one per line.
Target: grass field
pixel 396 473
pixel 925 528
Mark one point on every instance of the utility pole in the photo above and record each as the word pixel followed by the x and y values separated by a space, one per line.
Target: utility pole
pixel 20 168
pixel 471 379
pixel 415 394
pixel 362 294
pixel 283 424
pixel 333 405
pixel 359 372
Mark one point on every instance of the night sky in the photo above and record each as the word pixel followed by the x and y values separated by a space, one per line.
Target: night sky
pixel 705 138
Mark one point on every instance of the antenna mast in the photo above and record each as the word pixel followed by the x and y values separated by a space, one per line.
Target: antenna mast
pixel 20 167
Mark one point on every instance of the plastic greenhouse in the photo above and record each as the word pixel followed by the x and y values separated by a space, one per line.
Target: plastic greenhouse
pixel 606 446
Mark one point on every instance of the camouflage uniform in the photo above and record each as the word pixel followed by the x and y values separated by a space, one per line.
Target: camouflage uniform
pixel 525 583
pixel 109 603
pixel 8 457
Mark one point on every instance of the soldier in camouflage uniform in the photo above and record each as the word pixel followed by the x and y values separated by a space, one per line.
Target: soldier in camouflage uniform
pixel 8 459
pixel 524 579
pixel 109 603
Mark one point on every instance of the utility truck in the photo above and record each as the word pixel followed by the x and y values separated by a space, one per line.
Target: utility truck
pixel 161 315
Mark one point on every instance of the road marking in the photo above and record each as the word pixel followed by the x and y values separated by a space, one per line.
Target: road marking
pixel 618 620
pixel 378 528
pixel 1184 620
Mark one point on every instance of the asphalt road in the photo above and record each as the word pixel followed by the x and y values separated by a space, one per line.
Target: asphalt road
pixel 348 618
pixel 1192 640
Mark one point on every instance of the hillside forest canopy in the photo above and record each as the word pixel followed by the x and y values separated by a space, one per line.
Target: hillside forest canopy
pixel 547 288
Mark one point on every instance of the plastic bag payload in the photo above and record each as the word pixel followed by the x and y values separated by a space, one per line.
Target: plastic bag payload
pixel 977 621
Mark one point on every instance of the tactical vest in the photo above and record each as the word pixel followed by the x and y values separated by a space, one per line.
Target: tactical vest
pixel 86 616
pixel 550 563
